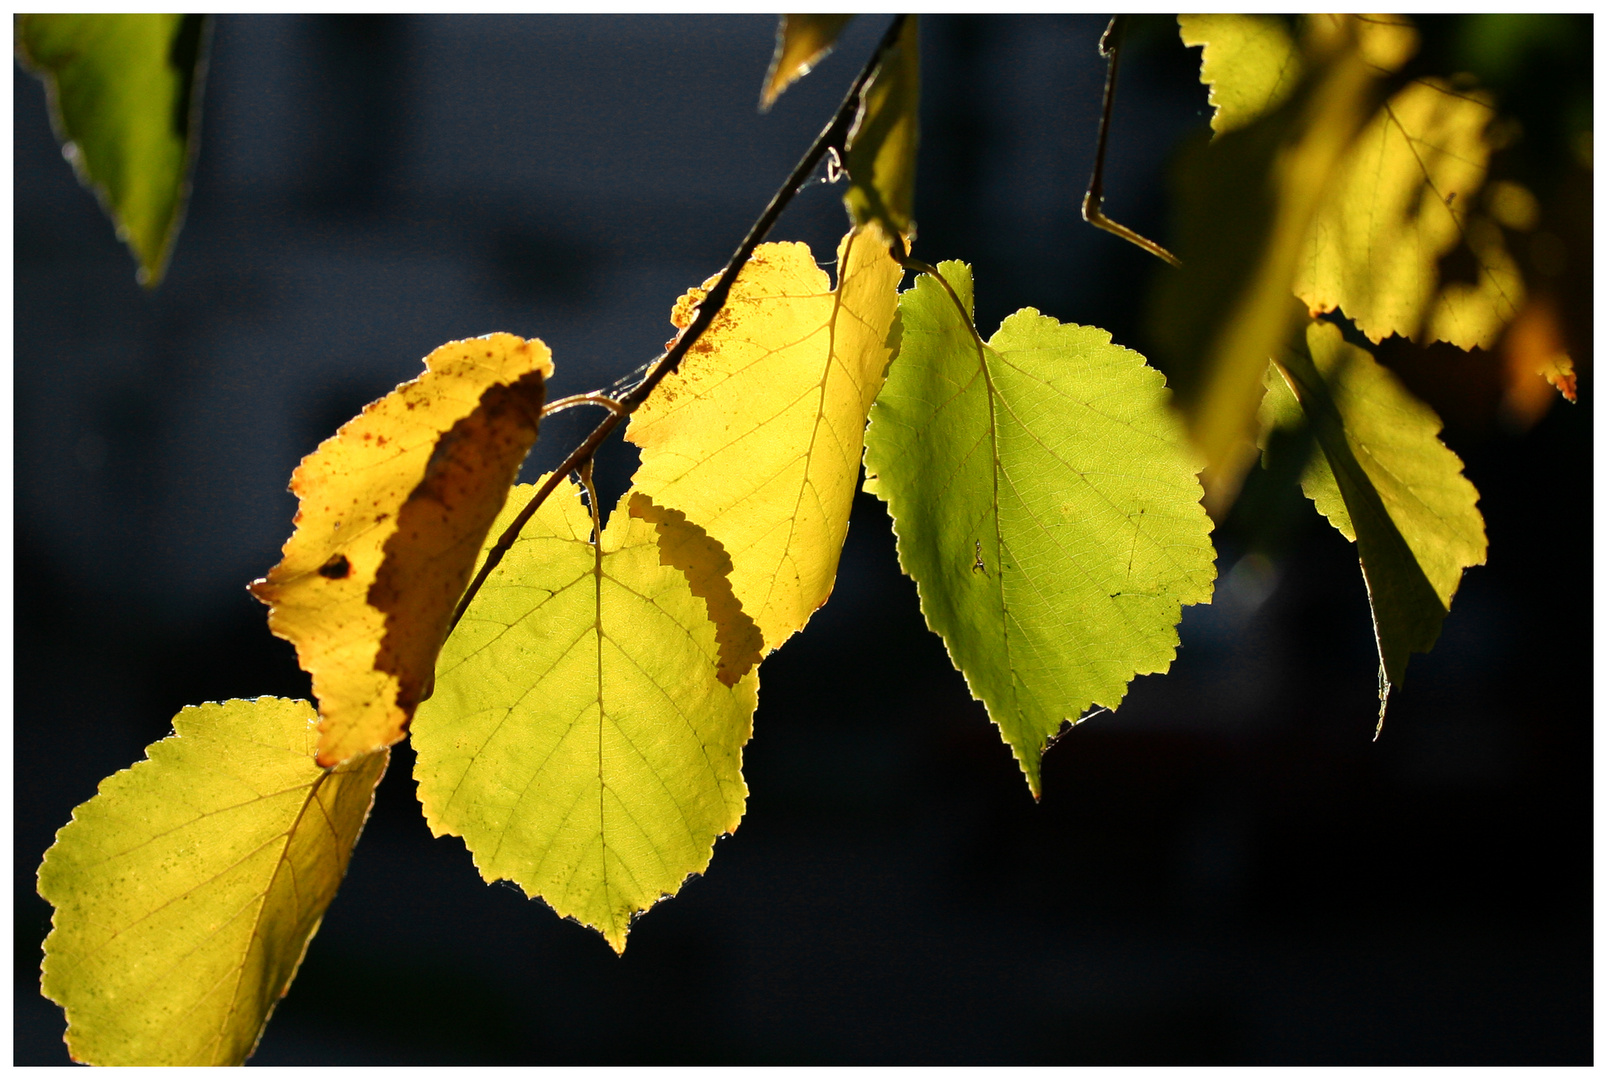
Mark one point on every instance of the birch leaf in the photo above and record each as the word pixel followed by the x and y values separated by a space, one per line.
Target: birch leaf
pixel 1046 504
pixel 394 510
pixel 1250 62
pixel 881 146
pixel 581 739
pixel 802 41
pixel 1388 484
pixel 757 436
pixel 125 94
pixel 186 891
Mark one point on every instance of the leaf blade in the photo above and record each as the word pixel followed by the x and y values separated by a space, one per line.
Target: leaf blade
pixel 155 880
pixel 881 145
pixel 802 41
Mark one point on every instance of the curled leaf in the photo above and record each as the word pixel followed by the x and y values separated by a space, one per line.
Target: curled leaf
pixel 581 739
pixel 186 891
pixel 881 145
pixel 394 510
pixel 802 41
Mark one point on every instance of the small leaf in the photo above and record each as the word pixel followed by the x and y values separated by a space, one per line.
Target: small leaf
pixel 1245 205
pixel 756 438
pixel 1045 503
pixel 125 94
pixel 580 739
pixel 882 143
pixel 802 41
pixel 394 510
pixel 1386 482
pixel 186 891
pixel 1251 63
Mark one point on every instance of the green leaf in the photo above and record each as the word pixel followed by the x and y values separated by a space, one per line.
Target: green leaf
pixel 1250 62
pixel 1386 482
pixel 802 41
pixel 581 738
pixel 1046 505
pixel 187 889
pixel 882 143
pixel 125 94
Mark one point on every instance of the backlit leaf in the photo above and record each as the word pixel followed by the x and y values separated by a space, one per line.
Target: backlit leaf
pixel 1251 63
pixel 883 141
pixel 1046 505
pixel 187 889
pixel 757 436
pixel 125 93
pixel 802 41
pixel 1386 482
pixel 581 739
pixel 394 510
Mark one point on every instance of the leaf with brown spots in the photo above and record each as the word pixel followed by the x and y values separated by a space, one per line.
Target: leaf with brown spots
pixel 394 510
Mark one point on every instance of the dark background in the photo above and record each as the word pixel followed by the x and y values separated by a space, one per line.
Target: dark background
pixel 1226 870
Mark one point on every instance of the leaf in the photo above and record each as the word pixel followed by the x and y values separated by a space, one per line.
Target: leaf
pixel 1245 203
pixel 125 97
pixel 1387 483
pixel 802 41
pixel 882 143
pixel 1251 63
pixel 757 436
pixel 1045 503
pixel 394 510
pixel 186 891
pixel 580 739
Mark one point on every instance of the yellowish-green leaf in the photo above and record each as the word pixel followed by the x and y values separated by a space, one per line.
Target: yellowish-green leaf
pixel 581 739
pixel 757 436
pixel 125 94
pixel 187 889
pixel 1386 482
pixel 883 141
pixel 802 41
pixel 1045 502
pixel 394 510
pixel 1245 205
pixel 1251 63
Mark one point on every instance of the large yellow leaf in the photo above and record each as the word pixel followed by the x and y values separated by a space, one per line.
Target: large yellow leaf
pixel 394 510
pixel 585 738
pixel 187 889
pixel 757 437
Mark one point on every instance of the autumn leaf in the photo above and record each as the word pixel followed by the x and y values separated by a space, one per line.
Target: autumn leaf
pixel 394 510
pixel 1245 204
pixel 802 41
pixel 1250 62
pixel 125 93
pixel 1045 502
pixel 757 436
pixel 186 891
pixel 581 739
pixel 1387 483
pixel 882 143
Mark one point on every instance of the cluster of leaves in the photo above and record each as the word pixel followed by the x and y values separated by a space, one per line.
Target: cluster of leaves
pixel 579 687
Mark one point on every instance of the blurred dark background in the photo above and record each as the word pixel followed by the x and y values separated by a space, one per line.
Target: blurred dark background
pixel 1227 869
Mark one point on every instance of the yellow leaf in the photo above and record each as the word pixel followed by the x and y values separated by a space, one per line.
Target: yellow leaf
pixel 802 41
pixel 881 146
pixel 394 510
pixel 757 436
pixel 1250 62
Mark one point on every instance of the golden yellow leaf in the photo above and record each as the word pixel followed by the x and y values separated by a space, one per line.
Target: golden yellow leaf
pixel 394 509
pixel 757 436
pixel 802 41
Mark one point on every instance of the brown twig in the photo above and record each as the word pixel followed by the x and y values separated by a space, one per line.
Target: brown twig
pixel 1110 45
pixel 831 138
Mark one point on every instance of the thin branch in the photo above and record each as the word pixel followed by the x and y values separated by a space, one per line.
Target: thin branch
pixel 1110 45
pixel 831 139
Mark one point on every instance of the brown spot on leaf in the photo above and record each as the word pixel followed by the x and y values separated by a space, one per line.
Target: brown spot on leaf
pixel 336 568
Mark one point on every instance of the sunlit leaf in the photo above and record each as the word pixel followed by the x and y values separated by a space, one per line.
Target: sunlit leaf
pixel 1245 204
pixel 1046 505
pixel 1386 482
pixel 581 739
pixel 883 141
pixel 802 41
pixel 187 889
pixel 125 93
pixel 757 437
pixel 1251 63
pixel 394 510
